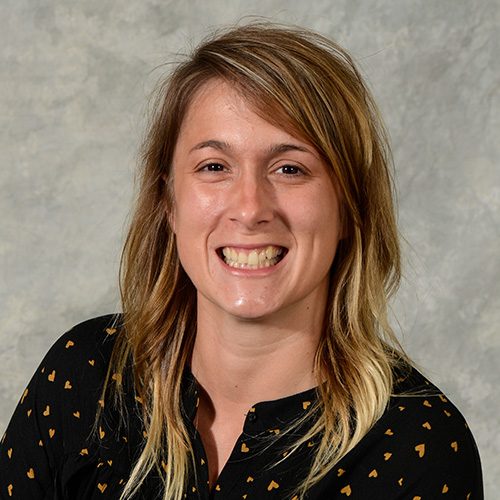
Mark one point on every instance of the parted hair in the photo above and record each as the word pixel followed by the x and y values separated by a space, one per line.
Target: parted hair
pixel 299 80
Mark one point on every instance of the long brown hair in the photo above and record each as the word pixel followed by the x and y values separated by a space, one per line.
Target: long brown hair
pixel 295 78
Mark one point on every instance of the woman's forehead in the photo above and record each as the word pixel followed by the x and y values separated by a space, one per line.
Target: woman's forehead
pixel 235 95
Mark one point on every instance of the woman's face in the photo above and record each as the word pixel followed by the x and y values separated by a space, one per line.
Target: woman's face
pixel 256 211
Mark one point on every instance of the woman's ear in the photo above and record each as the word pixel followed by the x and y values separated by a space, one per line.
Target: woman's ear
pixel 171 218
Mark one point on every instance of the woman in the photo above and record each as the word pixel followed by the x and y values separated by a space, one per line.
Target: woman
pixel 254 358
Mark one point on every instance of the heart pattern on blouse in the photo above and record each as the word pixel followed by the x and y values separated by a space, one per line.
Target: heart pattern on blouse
pixel 273 485
pixel 346 490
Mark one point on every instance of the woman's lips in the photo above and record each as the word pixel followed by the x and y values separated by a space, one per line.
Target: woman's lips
pixel 256 258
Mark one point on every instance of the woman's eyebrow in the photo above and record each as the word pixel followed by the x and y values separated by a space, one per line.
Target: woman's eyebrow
pixel 212 143
pixel 283 148
pixel 225 146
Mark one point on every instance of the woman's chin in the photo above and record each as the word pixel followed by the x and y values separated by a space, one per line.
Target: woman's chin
pixel 245 308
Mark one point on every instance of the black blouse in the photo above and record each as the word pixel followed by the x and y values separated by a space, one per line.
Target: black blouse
pixel 421 448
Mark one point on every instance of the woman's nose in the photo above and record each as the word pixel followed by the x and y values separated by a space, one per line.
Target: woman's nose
pixel 252 201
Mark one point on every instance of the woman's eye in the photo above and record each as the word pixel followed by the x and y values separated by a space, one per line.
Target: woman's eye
pixel 213 167
pixel 289 170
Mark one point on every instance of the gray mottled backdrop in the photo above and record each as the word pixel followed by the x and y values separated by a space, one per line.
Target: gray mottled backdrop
pixel 73 78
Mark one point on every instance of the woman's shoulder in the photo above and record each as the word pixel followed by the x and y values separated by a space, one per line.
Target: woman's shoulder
pixel 90 342
pixel 426 419
pixel 76 365
pixel 72 373
pixel 416 398
pixel 421 442
pixel 421 447
pixel 56 415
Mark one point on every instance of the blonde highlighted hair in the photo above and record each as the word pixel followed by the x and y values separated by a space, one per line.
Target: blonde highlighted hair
pixel 297 79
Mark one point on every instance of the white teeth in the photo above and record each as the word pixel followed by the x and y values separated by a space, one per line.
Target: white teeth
pixel 253 260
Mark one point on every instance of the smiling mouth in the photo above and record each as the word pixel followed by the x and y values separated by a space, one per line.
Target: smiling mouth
pixel 257 258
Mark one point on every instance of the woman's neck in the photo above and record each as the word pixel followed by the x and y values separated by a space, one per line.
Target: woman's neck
pixel 238 363
pixel 241 362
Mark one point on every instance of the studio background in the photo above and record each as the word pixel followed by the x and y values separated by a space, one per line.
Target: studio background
pixel 73 81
